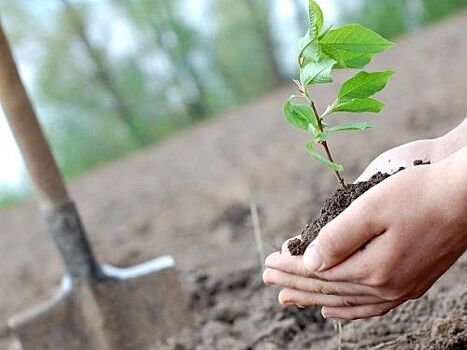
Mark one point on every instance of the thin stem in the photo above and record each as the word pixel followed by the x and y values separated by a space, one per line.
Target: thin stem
pixel 339 178
pixel 324 143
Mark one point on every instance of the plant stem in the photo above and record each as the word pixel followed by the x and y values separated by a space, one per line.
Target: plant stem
pixel 324 143
pixel 339 178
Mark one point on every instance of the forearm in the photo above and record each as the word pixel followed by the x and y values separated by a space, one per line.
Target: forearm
pixel 450 143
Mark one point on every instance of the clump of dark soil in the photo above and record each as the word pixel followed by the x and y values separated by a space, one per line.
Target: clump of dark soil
pixel 333 206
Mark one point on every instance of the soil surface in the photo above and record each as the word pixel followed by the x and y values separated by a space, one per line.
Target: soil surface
pixel 190 197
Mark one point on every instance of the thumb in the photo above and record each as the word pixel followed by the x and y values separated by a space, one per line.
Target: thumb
pixel 344 235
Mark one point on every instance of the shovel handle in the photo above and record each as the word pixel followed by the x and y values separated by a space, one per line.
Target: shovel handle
pixel 60 213
pixel 43 171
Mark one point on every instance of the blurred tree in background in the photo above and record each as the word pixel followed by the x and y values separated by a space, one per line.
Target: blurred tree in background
pixel 110 76
pixel 376 16
pixel 392 18
pixel 98 104
pixel 435 9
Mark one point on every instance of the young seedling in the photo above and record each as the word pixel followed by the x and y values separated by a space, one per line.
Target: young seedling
pixel 320 52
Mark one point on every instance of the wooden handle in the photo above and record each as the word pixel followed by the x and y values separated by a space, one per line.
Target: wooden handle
pixel 45 176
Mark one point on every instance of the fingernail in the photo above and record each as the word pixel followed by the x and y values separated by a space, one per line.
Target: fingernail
pixel 312 259
pixel 324 313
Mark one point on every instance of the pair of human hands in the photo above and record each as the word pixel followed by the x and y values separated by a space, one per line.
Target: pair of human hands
pixel 390 245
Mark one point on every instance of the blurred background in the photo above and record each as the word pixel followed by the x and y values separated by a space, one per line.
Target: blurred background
pixel 109 77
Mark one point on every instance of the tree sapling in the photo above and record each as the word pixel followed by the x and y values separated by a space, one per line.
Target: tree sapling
pixel 320 52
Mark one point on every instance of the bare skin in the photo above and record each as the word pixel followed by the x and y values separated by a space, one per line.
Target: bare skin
pixel 413 227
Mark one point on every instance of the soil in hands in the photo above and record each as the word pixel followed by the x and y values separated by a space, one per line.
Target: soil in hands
pixel 335 205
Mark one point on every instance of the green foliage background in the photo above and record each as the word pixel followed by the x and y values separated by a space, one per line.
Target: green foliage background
pixel 392 18
pixel 109 77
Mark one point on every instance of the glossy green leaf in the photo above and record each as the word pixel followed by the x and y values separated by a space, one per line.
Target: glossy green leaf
pixel 299 115
pixel 322 160
pixel 317 72
pixel 308 46
pixel 354 60
pixel 347 59
pixel 303 43
pixel 325 32
pixel 311 53
pixel 355 38
pixel 358 105
pixel 350 126
pixel 364 85
pixel 316 19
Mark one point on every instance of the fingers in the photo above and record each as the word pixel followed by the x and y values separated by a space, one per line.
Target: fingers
pixel 313 285
pixel 359 311
pixel 348 232
pixel 288 263
pixel 356 269
pixel 289 297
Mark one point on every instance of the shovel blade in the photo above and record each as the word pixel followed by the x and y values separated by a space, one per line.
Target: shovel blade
pixel 129 309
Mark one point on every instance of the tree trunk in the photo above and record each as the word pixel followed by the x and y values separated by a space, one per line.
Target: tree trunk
pixel 197 107
pixel 105 77
pixel 260 16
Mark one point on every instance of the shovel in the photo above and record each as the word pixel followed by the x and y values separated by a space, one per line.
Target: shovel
pixel 98 306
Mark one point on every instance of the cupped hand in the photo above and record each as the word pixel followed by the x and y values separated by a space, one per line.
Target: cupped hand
pixel 402 157
pixel 389 246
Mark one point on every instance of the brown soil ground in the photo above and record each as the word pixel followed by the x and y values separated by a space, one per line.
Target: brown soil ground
pixel 190 197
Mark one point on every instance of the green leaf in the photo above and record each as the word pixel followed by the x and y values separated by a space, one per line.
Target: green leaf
pixel 303 43
pixel 317 72
pixel 358 105
pixel 351 126
pixel 325 32
pixel 355 38
pixel 322 160
pixel 310 53
pixel 354 60
pixel 316 19
pixel 347 59
pixel 364 85
pixel 299 115
pixel 308 47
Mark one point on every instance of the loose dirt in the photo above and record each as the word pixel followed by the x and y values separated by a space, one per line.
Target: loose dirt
pixel 190 197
